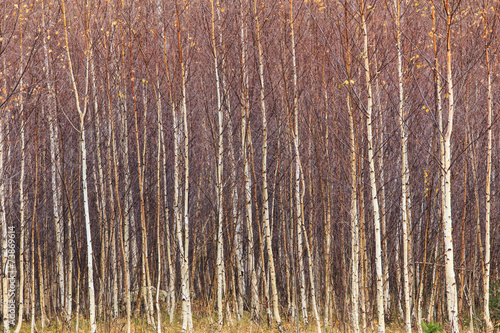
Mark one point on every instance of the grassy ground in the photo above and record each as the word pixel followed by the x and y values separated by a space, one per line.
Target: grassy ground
pixel 205 321
pixel 205 324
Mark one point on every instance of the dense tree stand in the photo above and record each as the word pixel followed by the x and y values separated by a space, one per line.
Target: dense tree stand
pixel 250 165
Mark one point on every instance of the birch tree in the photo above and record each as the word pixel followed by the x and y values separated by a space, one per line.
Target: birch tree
pixel 183 227
pixel 219 175
pixel 83 150
pixel 3 195
pixel 246 143
pixel 405 173
pixel 122 222
pixel 22 197
pixel 373 183
pixel 33 223
pixel 265 195
pixel 451 288
pixel 298 176
pixel 54 153
pixel 171 265
pixel 487 240
pixel 353 184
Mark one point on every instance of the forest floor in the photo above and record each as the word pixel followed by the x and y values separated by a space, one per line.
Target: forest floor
pixel 204 324
pixel 205 321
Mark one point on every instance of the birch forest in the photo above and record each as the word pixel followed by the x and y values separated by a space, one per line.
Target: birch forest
pixel 250 165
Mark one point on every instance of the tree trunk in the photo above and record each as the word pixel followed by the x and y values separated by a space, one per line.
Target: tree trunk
pixel 158 199
pixel 22 198
pixel 245 141
pixel 298 172
pixel 373 183
pixel 451 288
pixel 487 233
pixel 265 195
pixel 55 161
pixel 112 222
pixel 171 264
pixel 103 219
pixel 219 175
pixel 183 230
pixel 33 223
pixel 83 150
pixel 405 172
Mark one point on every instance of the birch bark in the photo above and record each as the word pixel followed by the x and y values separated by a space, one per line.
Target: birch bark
pixel 265 195
pixel 3 195
pixel 33 223
pixel 451 288
pixel 158 197
pixel 121 223
pixel 83 149
pixel 171 265
pixel 298 190
pixel 22 197
pixel 183 230
pixel 373 183
pixel 487 233
pixel 405 173
pixel 245 139
pixel 55 157
pixel 355 249
pixel 219 175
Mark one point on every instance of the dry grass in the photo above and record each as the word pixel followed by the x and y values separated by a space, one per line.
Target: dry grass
pixel 204 321
pixel 205 324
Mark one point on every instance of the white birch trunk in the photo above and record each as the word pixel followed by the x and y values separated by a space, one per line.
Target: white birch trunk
pixel 354 191
pixel 21 186
pixel 83 150
pixel 87 228
pixel 112 224
pixel 487 234
pixel 3 195
pixel 245 141
pixel 177 214
pixel 311 271
pixel 451 288
pixel 158 199
pixel 32 249
pixel 171 266
pixel 383 219
pixel 328 219
pixel 405 207
pixel 354 222
pixel 102 203
pixel 185 265
pixel 146 281
pixel 3 219
pixel 235 215
pixel 439 112
pixel 183 225
pixel 55 162
pixel 265 195
pixel 373 183
pixel 69 275
pixel 298 189
pixel 364 300
pixel 219 183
